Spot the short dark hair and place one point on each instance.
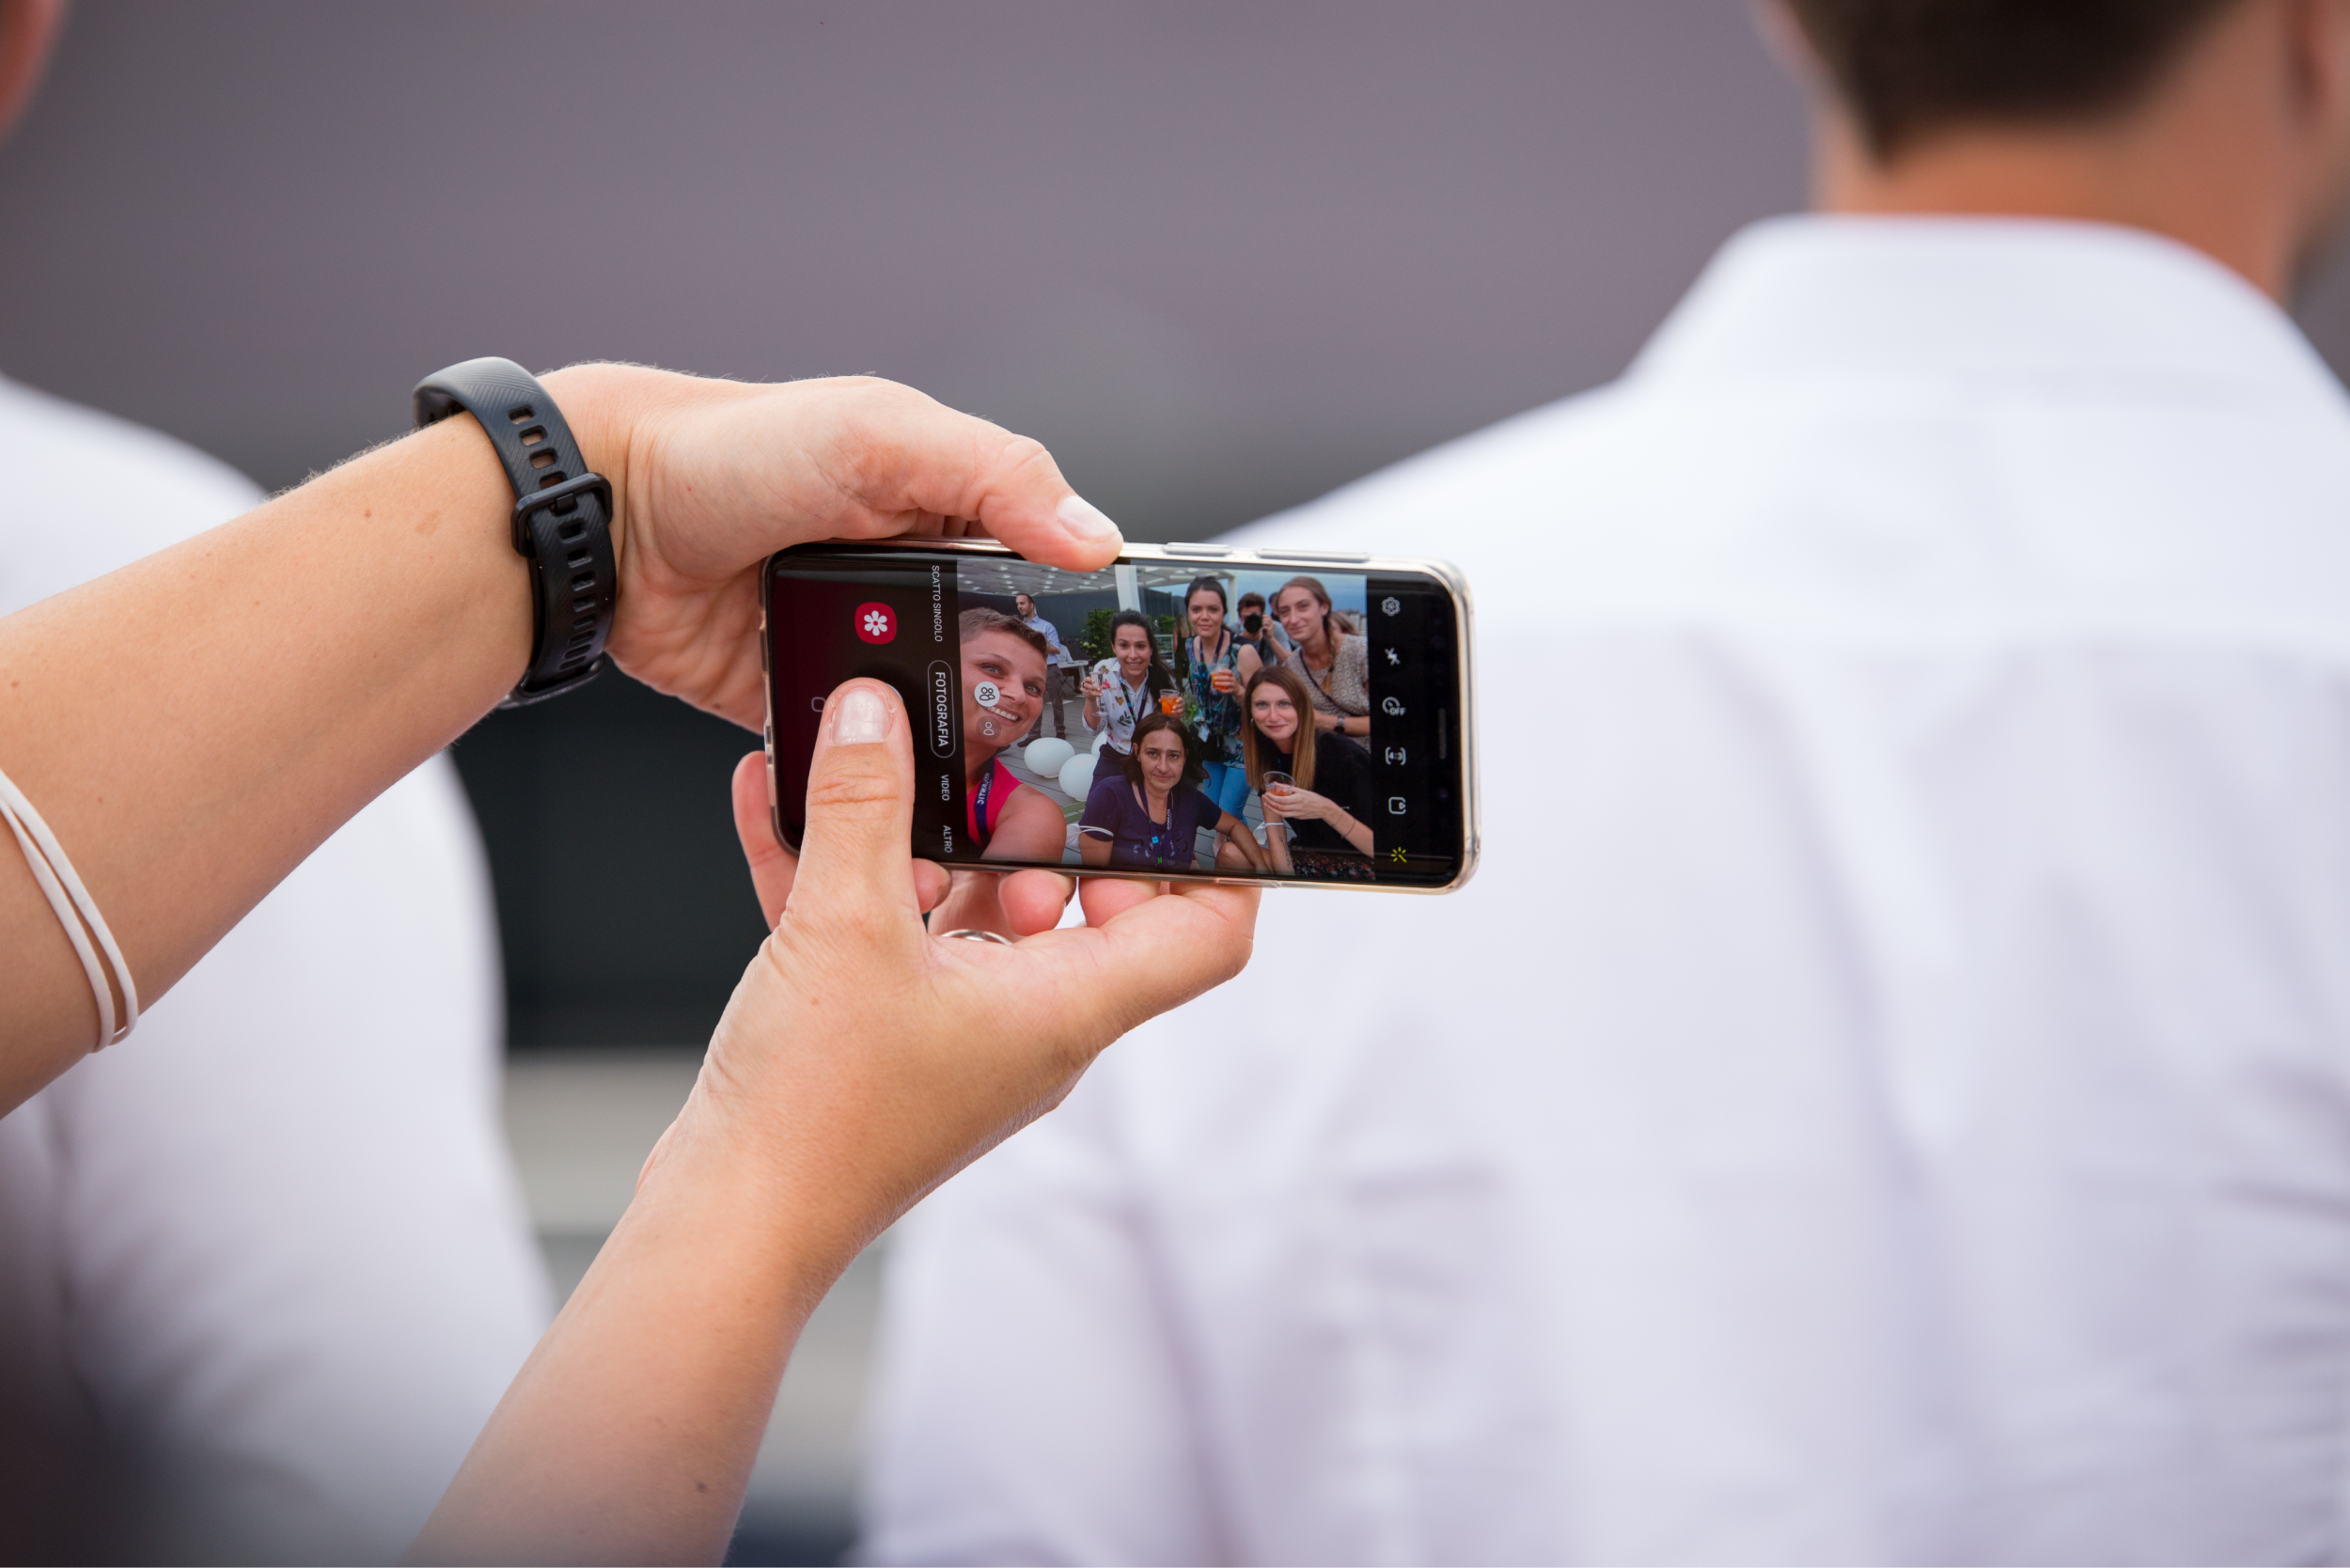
(981, 620)
(1907, 68)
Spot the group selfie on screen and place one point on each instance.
(1264, 713)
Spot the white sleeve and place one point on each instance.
(1030, 1406)
(298, 1270)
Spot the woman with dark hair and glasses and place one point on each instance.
(1218, 665)
(1148, 816)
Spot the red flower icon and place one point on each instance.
(875, 623)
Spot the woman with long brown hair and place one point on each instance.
(1124, 689)
(1316, 785)
(1333, 659)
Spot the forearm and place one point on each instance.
(192, 726)
(630, 1434)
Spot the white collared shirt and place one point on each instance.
(1885, 1096)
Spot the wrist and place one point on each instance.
(606, 407)
(717, 1167)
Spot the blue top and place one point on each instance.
(1138, 841)
(1215, 714)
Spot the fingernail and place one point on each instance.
(859, 717)
(1086, 520)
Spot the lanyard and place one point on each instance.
(1126, 698)
(1158, 829)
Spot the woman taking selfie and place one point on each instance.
(1336, 663)
(1316, 785)
(1149, 817)
(1122, 689)
(1005, 668)
(1219, 665)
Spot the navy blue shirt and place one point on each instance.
(1135, 839)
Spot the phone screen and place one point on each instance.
(1130, 720)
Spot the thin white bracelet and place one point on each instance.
(76, 911)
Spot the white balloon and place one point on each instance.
(1077, 776)
(1045, 758)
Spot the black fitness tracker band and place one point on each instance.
(562, 517)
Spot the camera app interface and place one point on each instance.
(1153, 718)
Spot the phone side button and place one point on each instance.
(1343, 556)
(1188, 547)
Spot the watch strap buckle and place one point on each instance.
(552, 498)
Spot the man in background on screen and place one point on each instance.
(1055, 659)
(1887, 1095)
(264, 1269)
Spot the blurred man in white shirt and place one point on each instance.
(1055, 660)
(264, 1269)
(1887, 1095)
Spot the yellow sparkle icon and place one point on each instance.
(1397, 854)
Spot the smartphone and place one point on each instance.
(1127, 722)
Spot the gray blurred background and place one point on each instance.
(1219, 257)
